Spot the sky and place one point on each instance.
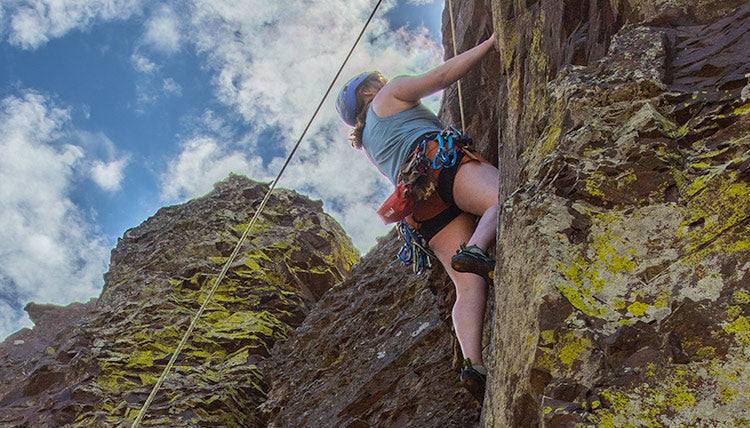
(111, 109)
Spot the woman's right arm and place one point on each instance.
(410, 89)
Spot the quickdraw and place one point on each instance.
(447, 155)
(414, 252)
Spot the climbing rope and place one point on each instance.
(235, 252)
(455, 53)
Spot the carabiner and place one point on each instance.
(406, 254)
(441, 147)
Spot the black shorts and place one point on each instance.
(430, 227)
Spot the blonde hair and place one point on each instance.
(374, 80)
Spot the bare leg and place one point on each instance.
(475, 191)
(471, 290)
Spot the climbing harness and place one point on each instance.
(414, 252)
(415, 183)
(418, 182)
(230, 260)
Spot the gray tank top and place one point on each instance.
(389, 141)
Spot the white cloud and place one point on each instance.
(419, 2)
(49, 251)
(170, 87)
(272, 62)
(34, 22)
(162, 31)
(143, 64)
(201, 163)
(109, 175)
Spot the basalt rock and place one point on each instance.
(376, 351)
(622, 290)
(95, 364)
(621, 294)
(624, 245)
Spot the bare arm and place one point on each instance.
(404, 92)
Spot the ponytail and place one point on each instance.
(375, 79)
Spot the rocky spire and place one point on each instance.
(99, 368)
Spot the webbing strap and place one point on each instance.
(230, 260)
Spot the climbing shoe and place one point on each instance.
(472, 259)
(474, 378)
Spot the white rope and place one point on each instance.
(455, 53)
(230, 260)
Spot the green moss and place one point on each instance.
(238, 324)
(606, 259)
(701, 393)
(147, 379)
(705, 353)
(740, 327)
(572, 349)
(714, 153)
(615, 261)
(638, 309)
(140, 359)
(593, 184)
(720, 203)
(643, 408)
(734, 311)
(553, 130)
(548, 336)
(559, 355)
(580, 301)
(741, 297)
(663, 298)
(743, 109)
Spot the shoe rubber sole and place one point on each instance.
(474, 383)
(461, 263)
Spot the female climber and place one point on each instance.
(391, 125)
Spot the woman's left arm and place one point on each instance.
(411, 89)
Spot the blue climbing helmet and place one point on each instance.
(346, 103)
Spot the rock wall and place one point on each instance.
(622, 292)
(621, 299)
(95, 364)
(375, 352)
(624, 244)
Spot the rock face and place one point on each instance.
(376, 351)
(94, 365)
(625, 234)
(622, 293)
(623, 286)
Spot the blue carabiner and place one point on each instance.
(406, 255)
(441, 147)
(446, 156)
(450, 154)
(420, 268)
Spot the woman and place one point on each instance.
(389, 122)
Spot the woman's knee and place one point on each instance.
(470, 287)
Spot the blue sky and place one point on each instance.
(110, 109)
